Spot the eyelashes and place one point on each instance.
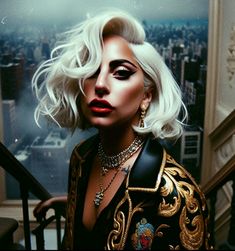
(120, 72)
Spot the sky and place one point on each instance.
(21, 11)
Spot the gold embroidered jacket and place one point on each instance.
(159, 206)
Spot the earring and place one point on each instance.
(142, 115)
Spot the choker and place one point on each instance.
(114, 161)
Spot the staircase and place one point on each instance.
(29, 184)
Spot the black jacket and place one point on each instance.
(159, 206)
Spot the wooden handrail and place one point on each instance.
(220, 178)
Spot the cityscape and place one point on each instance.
(45, 151)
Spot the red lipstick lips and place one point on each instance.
(100, 106)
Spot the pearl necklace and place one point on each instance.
(114, 162)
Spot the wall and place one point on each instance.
(226, 85)
(219, 126)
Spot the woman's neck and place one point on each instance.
(114, 142)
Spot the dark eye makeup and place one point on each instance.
(122, 69)
(118, 69)
(122, 73)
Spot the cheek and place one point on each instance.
(88, 86)
(131, 98)
(131, 102)
(136, 94)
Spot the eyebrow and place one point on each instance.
(118, 62)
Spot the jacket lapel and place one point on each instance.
(147, 171)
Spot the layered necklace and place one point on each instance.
(114, 162)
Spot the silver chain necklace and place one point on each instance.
(114, 162)
(100, 195)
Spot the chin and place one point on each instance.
(103, 126)
(101, 123)
(107, 123)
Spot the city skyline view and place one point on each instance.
(22, 51)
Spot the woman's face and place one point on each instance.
(114, 93)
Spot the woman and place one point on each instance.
(125, 190)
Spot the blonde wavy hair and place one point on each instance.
(58, 82)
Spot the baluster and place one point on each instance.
(213, 199)
(40, 241)
(58, 229)
(25, 206)
(231, 235)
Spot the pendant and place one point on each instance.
(98, 198)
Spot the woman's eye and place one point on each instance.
(122, 73)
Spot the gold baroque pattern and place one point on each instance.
(159, 232)
(72, 199)
(117, 237)
(180, 186)
(191, 221)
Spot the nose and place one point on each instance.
(101, 85)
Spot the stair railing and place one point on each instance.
(29, 184)
(211, 188)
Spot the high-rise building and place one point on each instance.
(11, 80)
(9, 121)
(49, 161)
(190, 151)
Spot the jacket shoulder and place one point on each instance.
(182, 205)
(176, 177)
(82, 149)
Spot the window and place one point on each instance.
(25, 42)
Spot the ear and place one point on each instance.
(146, 99)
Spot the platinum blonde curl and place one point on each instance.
(58, 82)
(162, 118)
